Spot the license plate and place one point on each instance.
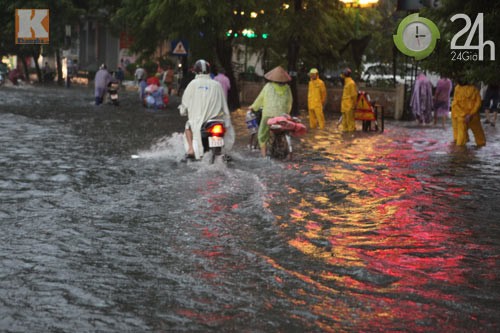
(215, 141)
(114, 96)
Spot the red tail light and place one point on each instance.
(217, 130)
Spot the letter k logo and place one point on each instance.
(32, 26)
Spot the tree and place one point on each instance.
(306, 28)
(62, 13)
(311, 33)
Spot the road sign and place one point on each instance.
(364, 109)
(179, 48)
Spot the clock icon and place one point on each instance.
(416, 36)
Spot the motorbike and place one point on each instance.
(212, 138)
(113, 93)
(282, 129)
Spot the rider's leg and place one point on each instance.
(189, 138)
(263, 136)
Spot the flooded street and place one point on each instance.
(392, 232)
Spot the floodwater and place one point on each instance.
(104, 230)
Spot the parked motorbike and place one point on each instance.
(212, 138)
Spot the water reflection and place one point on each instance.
(363, 232)
(384, 227)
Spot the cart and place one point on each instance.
(371, 114)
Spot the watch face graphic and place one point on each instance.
(416, 36)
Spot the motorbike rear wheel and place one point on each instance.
(278, 145)
(215, 152)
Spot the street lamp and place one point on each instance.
(360, 3)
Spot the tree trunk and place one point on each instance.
(25, 67)
(293, 56)
(224, 51)
(36, 54)
(60, 80)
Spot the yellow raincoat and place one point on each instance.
(349, 97)
(316, 98)
(466, 104)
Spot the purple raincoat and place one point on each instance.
(101, 81)
(442, 97)
(421, 99)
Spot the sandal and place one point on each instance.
(188, 157)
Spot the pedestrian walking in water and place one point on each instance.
(168, 79)
(274, 99)
(465, 114)
(421, 99)
(348, 103)
(316, 100)
(119, 75)
(491, 103)
(140, 74)
(442, 100)
(224, 81)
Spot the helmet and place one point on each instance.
(313, 71)
(202, 67)
(347, 72)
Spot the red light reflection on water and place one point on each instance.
(390, 236)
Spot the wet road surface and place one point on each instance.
(366, 232)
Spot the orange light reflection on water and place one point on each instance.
(385, 241)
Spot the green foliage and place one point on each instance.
(151, 68)
(130, 68)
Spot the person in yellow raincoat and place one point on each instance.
(349, 97)
(465, 114)
(275, 99)
(316, 99)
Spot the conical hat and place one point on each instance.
(278, 74)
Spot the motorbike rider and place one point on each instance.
(275, 99)
(101, 81)
(202, 100)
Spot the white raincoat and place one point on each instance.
(202, 100)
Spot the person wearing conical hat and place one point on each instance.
(274, 99)
(316, 99)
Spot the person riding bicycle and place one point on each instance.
(202, 100)
(275, 99)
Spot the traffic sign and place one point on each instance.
(179, 48)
